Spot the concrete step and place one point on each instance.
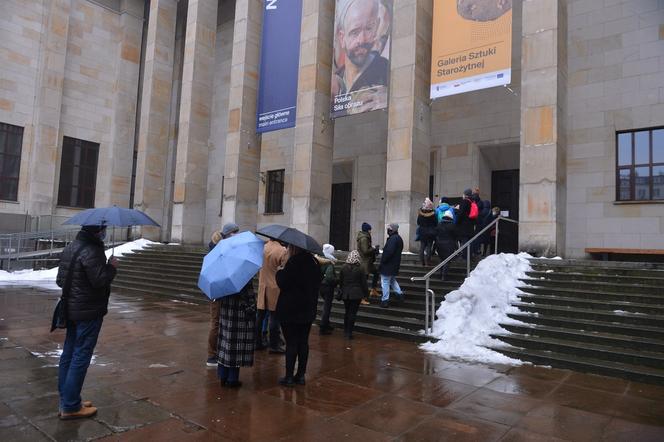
(375, 315)
(595, 315)
(589, 325)
(588, 293)
(648, 270)
(602, 287)
(584, 364)
(392, 331)
(592, 337)
(552, 275)
(612, 306)
(584, 349)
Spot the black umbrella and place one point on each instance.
(292, 236)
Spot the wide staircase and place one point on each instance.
(592, 316)
(172, 270)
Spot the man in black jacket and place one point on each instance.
(84, 262)
(390, 262)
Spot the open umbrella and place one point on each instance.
(111, 216)
(290, 235)
(231, 265)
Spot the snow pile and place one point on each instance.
(46, 278)
(470, 314)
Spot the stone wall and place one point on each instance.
(21, 27)
(616, 72)
(70, 68)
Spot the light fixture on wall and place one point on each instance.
(261, 176)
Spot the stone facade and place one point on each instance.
(581, 71)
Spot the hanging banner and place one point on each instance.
(280, 63)
(361, 56)
(471, 47)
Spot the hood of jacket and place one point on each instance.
(426, 212)
(323, 261)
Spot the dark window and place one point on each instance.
(78, 173)
(11, 140)
(274, 195)
(640, 165)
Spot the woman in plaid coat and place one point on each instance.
(237, 327)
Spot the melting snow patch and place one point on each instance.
(471, 313)
(46, 278)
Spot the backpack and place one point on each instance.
(445, 214)
(474, 210)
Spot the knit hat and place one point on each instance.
(353, 257)
(366, 227)
(468, 192)
(428, 204)
(393, 227)
(328, 252)
(229, 228)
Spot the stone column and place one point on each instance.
(48, 105)
(118, 177)
(409, 121)
(155, 113)
(314, 131)
(543, 143)
(242, 162)
(194, 127)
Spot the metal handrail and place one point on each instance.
(13, 245)
(430, 314)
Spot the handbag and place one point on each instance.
(60, 313)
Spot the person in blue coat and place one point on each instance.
(390, 262)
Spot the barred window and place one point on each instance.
(78, 173)
(640, 165)
(11, 141)
(274, 195)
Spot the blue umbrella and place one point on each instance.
(231, 265)
(111, 216)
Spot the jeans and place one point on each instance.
(297, 347)
(426, 247)
(228, 374)
(350, 315)
(389, 281)
(213, 334)
(74, 362)
(327, 293)
(445, 249)
(273, 328)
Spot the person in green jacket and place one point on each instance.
(368, 255)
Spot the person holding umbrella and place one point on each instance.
(299, 282)
(213, 333)
(85, 277)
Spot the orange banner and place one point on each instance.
(471, 47)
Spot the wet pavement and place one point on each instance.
(150, 382)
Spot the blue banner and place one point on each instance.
(280, 60)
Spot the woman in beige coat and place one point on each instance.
(274, 256)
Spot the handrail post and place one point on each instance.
(426, 315)
(495, 249)
(467, 261)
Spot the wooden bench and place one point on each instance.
(605, 252)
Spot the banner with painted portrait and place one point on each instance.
(361, 56)
(471, 47)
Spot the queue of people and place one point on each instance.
(443, 229)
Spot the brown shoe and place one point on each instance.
(82, 413)
(86, 404)
(374, 293)
(364, 302)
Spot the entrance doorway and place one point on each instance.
(505, 194)
(342, 197)
(342, 203)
